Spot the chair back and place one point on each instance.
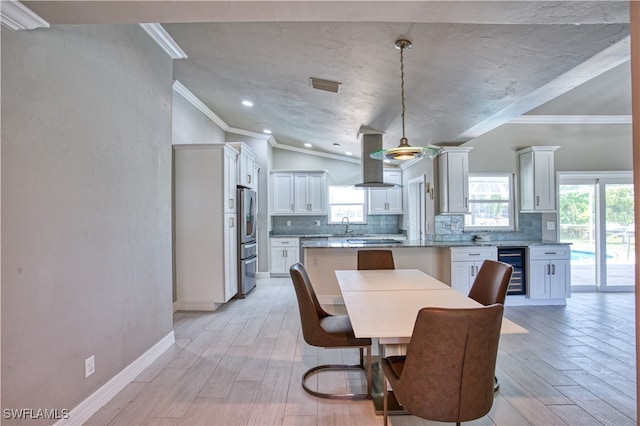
(375, 259)
(452, 358)
(310, 310)
(491, 283)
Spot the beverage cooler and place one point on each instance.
(515, 256)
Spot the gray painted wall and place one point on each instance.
(189, 125)
(341, 172)
(86, 219)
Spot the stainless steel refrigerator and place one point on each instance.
(247, 247)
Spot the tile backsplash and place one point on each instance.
(451, 228)
(306, 225)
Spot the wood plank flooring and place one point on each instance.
(242, 364)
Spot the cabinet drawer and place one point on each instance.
(549, 252)
(284, 242)
(473, 253)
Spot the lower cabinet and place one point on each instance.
(465, 264)
(549, 272)
(284, 253)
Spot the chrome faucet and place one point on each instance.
(347, 230)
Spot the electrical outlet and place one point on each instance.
(551, 226)
(288, 223)
(317, 223)
(89, 366)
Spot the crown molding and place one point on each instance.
(248, 133)
(180, 89)
(16, 16)
(572, 119)
(164, 40)
(316, 153)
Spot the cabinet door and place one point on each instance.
(538, 279)
(394, 195)
(301, 187)
(527, 193)
(293, 254)
(544, 181)
(377, 201)
(317, 193)
(560, 279)
(458, 186)
(231, 256)
(462, 276)
(230, 182)
(278, 260)
(282, 190)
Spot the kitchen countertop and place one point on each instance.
(344, 243)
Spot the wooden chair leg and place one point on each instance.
(385, 408)
(369, 372)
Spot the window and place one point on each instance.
(490, 202)
(346, 201)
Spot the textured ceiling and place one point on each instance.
(473, 65)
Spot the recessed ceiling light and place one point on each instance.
(247, 103)
(267, 131)
(308, 145)
(349, 153)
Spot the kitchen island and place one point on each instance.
(322, 258)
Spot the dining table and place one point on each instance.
(384, 304)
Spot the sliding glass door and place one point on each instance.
(597, 218)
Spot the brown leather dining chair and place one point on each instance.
(447, 373)
(490, 287)
(375, 259)
(321, 329)
(491, 283)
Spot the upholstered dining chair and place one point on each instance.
(447, 373)
(491, 283)
(321, 329)
(490, 287)
(375, 259)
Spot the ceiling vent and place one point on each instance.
(326, 85)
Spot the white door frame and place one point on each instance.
(417, 208)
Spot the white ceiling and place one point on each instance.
(473, 66)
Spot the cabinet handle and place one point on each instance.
(549, 252)
(537, 200)
(476, 269)
(284, 253)
(548, 269)
(474, 254)
(248, 178)
(553, 269)
(231, 222)
(466, 202)
(291, 206)
(231, 203)
(472, 274)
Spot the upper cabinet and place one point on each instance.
(387, 201)
(247, 175)
(537, 179)
(299, 193)
(230, 180)
(453, 180)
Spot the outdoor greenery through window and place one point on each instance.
(490, 202)
(346, 201)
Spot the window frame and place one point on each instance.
(364, 205)
(512, 204)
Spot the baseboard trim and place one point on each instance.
(263, 275)
(87, 408)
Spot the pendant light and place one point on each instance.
(404, 151)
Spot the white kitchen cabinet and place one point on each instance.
(537, 179)
(247, 176)
(284, 253)
(387, 201)
(230, 179)
(465, 264)
(299, 193)
(549, 272)
(453, 180)
(205, 232)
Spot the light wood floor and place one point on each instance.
(242, 364)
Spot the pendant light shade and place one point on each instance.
(404, 151)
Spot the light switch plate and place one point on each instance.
(551, 226)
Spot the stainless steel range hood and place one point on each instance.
(372, 175)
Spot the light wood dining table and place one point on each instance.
(384, 305)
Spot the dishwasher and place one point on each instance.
(304, 240)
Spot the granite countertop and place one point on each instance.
(345, 243)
